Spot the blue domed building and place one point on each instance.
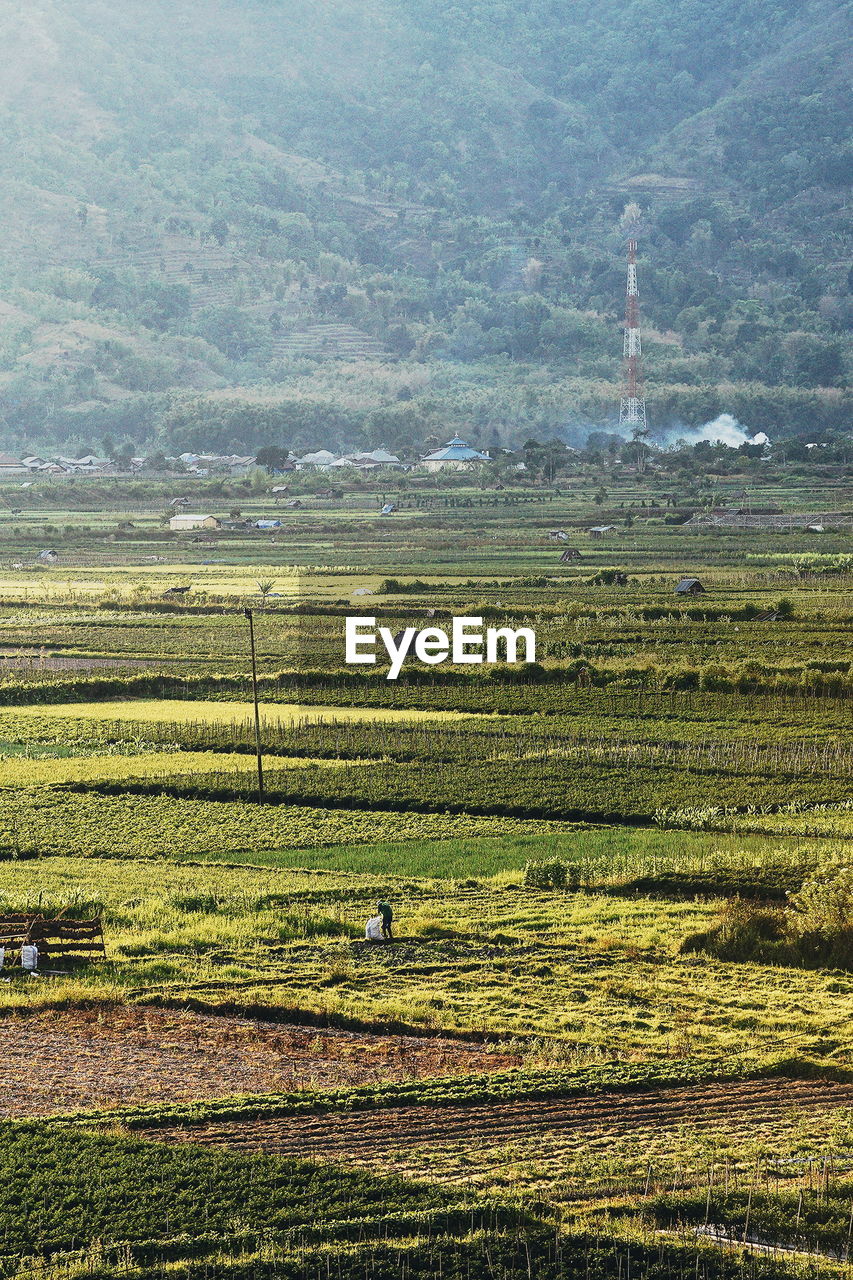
(456, 455)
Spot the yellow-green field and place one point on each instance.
(16, 773)
(602, 976)
(192, 712)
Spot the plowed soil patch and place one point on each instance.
(72, 1060)
(356, 1138)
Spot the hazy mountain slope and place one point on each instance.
(207, 196)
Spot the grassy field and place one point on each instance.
(685, 764)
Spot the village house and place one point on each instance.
(322, 459)
(89, 464)
(10, 466)
(205, 464)
(368, 461)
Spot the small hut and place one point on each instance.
(690, 587)
(570, 553)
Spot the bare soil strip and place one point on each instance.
(357, 1138)
(62, 1061)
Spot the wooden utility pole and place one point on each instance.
(251, 620)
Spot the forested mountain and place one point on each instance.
(282, 221)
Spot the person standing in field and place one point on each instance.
(383, 909)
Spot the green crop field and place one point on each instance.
(621, 881)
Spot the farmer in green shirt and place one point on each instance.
(384, 910)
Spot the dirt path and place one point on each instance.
(357, 1137)
(74, 1060)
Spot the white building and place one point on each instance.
(368, 461)
(322, 459)
(184, 523)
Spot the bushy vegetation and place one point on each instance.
(551, 875)
(815, 927)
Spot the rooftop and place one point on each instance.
(456, 450)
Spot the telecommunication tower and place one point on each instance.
(632, 409)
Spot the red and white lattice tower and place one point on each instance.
(632, 409)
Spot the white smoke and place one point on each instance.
(725, 429)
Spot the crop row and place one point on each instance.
(109, 1207)
(561, 789)
(112, 1189)
(580, 738)
(670, 718)
(794, 818)
(51, 821)
(118, 768)
(516, 1085)
(814, 1219)
(508, 689)
(471, 1255)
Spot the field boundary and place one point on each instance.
(517, 1085)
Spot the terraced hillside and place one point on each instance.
(250, 196)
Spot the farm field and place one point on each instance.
(617, 1017)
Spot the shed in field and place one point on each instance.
(601, 530)
(185, 523)
(690, 587)
(570, 553)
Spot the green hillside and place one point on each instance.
(233, 224)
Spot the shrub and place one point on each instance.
(820, 917)
(610, 578)
(552, 874)
(814, 929)
(745, 931)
